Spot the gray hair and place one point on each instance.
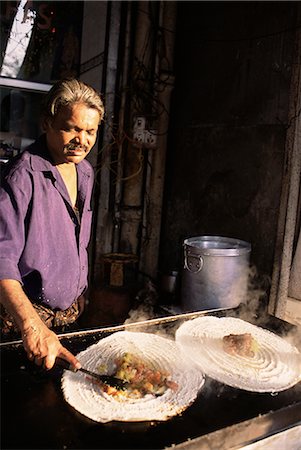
(69, 92)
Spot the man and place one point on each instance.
(45, 223)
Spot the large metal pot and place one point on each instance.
(215, 273)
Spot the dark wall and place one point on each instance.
(229, 119)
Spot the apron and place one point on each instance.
(52, 318)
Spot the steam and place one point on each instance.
(294, 337)
(254, 309)
(144, 304)
(144, 310)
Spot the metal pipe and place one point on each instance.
(134, 168)
(103, 238)
(129, 326)
(288, 218)
(121, 124)
(157, 158)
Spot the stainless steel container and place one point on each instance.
(215, 273)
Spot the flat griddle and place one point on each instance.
(35, 415)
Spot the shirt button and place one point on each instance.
(83, 267)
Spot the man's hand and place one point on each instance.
(40, 343)
(43, 346)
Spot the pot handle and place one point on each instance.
(193, 262)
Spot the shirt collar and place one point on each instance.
(41, 161)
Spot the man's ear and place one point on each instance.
(45, 123)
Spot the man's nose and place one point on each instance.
(81, 137)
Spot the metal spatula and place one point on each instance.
(107, 379)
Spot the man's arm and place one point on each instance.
(40, 343)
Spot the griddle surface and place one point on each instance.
(36, 416)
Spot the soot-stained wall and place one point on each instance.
(229, 117)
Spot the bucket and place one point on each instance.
(215, 273)
(118, 269)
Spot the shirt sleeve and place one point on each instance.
(15, 194)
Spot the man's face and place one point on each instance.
(72, 133)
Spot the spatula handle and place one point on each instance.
(65, 364)
(107, 379)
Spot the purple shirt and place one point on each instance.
(42, 244)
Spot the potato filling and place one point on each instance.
(142, 378)
(240, 344)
